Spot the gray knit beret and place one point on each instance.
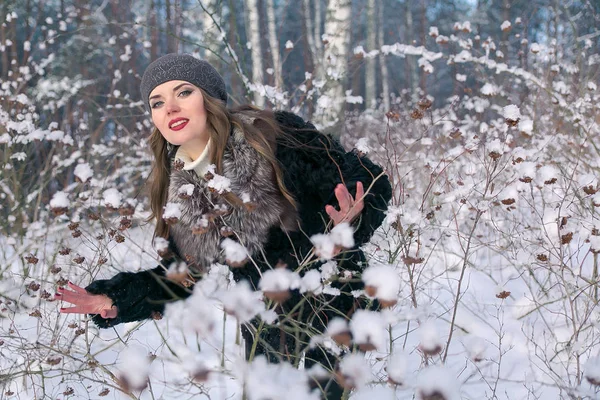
(182, 67)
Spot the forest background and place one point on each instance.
(485, 114)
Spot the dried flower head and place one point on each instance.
(178, 164)
(31, 259)
(417, 114)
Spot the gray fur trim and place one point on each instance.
(251, 177)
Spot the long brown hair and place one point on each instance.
(261, 135)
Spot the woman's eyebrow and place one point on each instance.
(176, 88)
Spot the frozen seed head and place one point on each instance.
(437, 383)
(382, 281)
(430, 341)
(112, 198)
(83, 173)
(592, 371)
(397, 368)
(311, 283)
(236, 255)
(59, 204)
(277, 283)
(242, 302)
(171, 213)
(512, 115)
(354, 371)
(339, 332)
(368, 330)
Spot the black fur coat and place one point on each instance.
(311, 170)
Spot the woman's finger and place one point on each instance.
(360, 191)
(75, 298)
(77, 288)
(77, 310)
(344, 198)
(110, 313)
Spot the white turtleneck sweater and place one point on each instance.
(199, 165)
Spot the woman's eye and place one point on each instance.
(185, 93)
(155, 105)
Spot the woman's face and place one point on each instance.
(178, 112)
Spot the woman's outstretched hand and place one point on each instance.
(350, 207)
(85, 302)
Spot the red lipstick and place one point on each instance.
(180, 125)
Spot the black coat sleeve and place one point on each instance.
(314, 163)
(138, 295)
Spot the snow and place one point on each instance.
(171, 210)
(337, 325)
(397, 367)
(506, 25)
(60, 200)
(242, 302)
(437, 382)
(592, 86)
(234, 251)
(526, 126)
(430, 340)
(289, 45)
(511, 112)
(277, 381)
(279, 279)
(219, 183)
(311, 282)
(161, 244)
(135, 378)
(328, 270)
(112, 198)
(83, 171)
(592, 370)
(385, 279)
(355, 370)
(362, 145)
(368, 327)
(187, 189)
(489, 89)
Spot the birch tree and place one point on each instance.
(370, 78)
(330, 106)
(385, 84)
(211, 31)
(274, 44)
(253, 29)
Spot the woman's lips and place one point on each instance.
(179, 124)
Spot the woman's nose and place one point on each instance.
(172, 106)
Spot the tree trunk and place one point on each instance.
(412, 75)
(309, 29)
(253, 29)
(232, 35)
(370, 78)
(423, 81)
(318, 32)
(274, 44)
(153, 32)
(330, 106)
(211, 33)
(385, 84)
(168, 26)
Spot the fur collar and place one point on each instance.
(207, 217)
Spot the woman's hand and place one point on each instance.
(350, 207)
(85, 302)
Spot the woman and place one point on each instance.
(285, 178)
